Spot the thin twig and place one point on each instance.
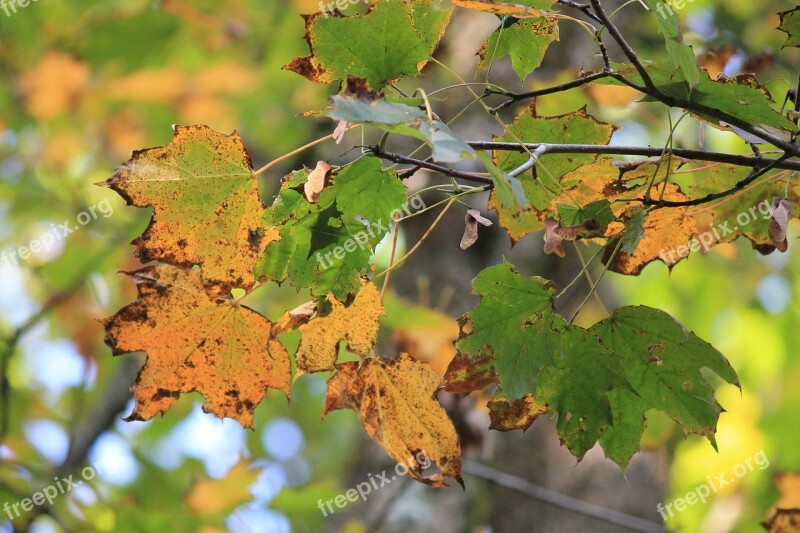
(562, 501)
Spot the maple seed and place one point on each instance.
(554, 234)
(317, 180)
(472, 219)
(781, 211)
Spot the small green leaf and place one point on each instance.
(524, 41)
(508, 189)
(680, 55)
(633, 233)
(405, 120)
(600, 211)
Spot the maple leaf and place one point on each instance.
(579, 128)
(346, 45)
(207, 209)
(216, 347)
(790, 25)
(746, 214)
(327, 245)
(662, 361)
(396, 403)
(357, 324)
(599, 381)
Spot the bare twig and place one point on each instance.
(562, 501)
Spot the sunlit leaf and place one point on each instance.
(216, 347)
(396, 403)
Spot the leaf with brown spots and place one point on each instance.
(519, 414)
(356, 324)
(216, 347)
(549, 180)
(347, 45)
(396, 403)
(207, 209)
(665, 231)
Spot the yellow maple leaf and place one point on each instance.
(216, 347)
(395, 400)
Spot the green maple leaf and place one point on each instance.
(394, 40)
(326, 246)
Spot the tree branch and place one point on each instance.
(744, 182)
(645, 151)
(562, 501)
(417, 163)
(516, 97)
(651, 90)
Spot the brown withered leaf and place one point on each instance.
(471, 221)
(784, 521)
(207, 209)
(357, 324)
(519, 414)
(317, 179)
(216, 347)
(396, 402)
(297, 316)
(465, 375)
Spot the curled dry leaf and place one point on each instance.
(781, 210)
(317, 180)
(291, 319)
(465, 375)
(554, 234)
(357, 324)
(471, 220)
(396, 403)
(213, 346)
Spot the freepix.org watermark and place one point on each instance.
(49, 493)
(666, 8)
(362, 238)
(363, 489)
(711, 486)
(57, 232)
(718, 232)
(9, 7)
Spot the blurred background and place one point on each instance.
(84, 84)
